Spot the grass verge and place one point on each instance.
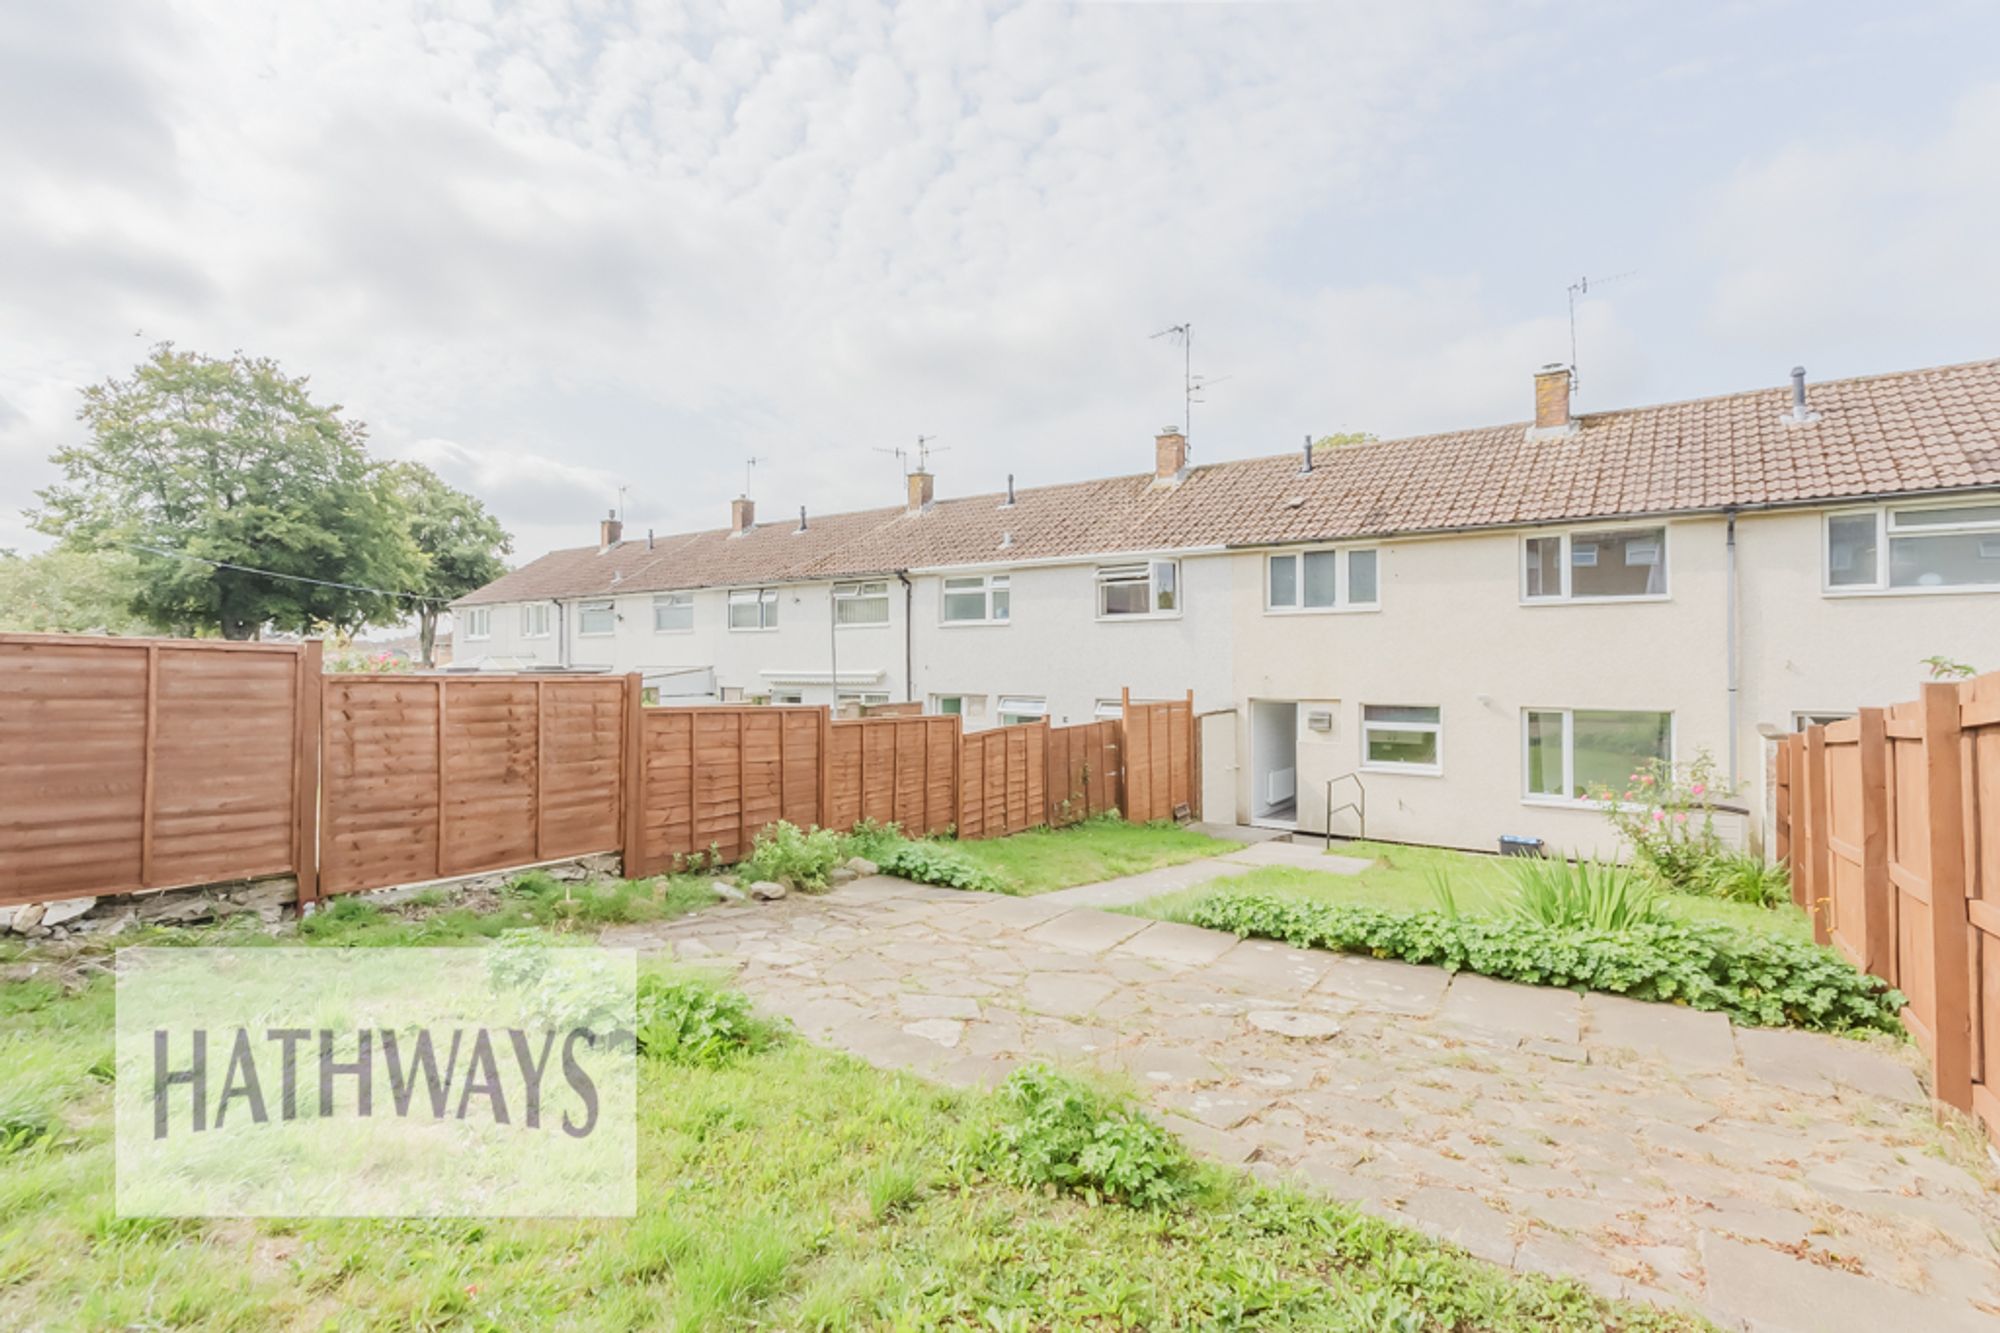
(1104, 847)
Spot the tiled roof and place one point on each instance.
(1911, 432)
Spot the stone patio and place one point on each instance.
(1770, 1180)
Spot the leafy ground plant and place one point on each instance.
(1758, 980)
(697, 1022)
(1058, 1130)
(790, 855)
(1740, 877)
(1582, 895)
(942, 864)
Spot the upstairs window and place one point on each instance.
(1148, 588)
(1589, 566)
(1913, 548)
(596, 618)
(753, 608)
(535, 620)
(977, 600)
(1320, 581)
(479, 622)
(860, 604)
(673, 612)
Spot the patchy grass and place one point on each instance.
(787, 1188)
(1106, 847)
(1401, 878)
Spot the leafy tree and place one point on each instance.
(70, 592)
(1345, 437)
(460, 542)
(209, 471)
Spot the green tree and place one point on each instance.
(70, 592)
(209, 471)
(1345, 437)
(461, 544)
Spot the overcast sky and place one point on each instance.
(555, 248)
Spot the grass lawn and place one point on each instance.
(792, 1188)
(1401, 877)
(1097, 849)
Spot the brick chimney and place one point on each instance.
(1169, 456)
(922, 488)
(742, 515)
(1552, 385)
(609, 531)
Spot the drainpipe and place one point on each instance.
(1733, 672)
(562, 633)
(909, 641)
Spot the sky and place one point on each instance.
(568, 252)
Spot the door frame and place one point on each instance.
(1258, 771)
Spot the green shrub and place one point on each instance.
(1582, 895)
(935, 863)
(790, 855)
(1667, 814)
(1741, 877)
(1057, 1130)
(1758, 980)
(871, 840)
(688, 1021)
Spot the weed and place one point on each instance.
(1057, 1130)
(1582, 895)
(690, 1021)
(940, 863)
(790, 855)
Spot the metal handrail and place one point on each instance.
(1359, 805)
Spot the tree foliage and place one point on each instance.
(231, 463)
(70, 592)
(461, 545)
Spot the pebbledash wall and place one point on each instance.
(1453, 632)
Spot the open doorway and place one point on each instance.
(1274, 763)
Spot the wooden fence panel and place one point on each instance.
(1159, 759)
(1005, 781)
(132, 764)
(1084, 771)
(712, 779)
(901, 770)
(1979, 716)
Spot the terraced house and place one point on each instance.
(1455, 637)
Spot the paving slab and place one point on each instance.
(1773, 1292)
(1686, 1038)
(1811, 1062)
(1511, 1012)
(1149, 884)
(1087, 931)
(1171, 942)
(1398, 988)
(1306, 856)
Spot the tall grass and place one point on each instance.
(1584, 895)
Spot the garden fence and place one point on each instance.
(1890, 822)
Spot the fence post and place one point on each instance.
(1951, 1062)
(1877, 942)
(825, 767)
(1781, 803)
(441, 801)
(305, 792)
(1194, 760)
(1819, 900)
(150, 762)
(631, 851)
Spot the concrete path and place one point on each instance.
(1171, 879)
(1771, 1180)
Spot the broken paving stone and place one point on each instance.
(66, 911)
(767, 890)
(943, 1031)
(728, 893)
(1294, 1023)
(862, 866)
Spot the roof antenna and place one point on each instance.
(622, 488)
(749, 466)
(1191, 383)
(1581, 287)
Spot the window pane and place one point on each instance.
(674, 612)
(1609, 747)
(1124, 599)
(1947, 560)
(1000, 599)
(1388, 746)
(965, 606)
(1322, 588)
(861, 604)
(1166, 576)
(950, 705)
(1284, 590)
(1923, 518)
(1544, 567)
(1618, 564)
(597, 619)
(1399, 713)
(770, 603)
(1545, 754)
(1361, 589)
(743, 610)
(1850, 551)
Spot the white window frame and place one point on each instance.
(1129, 572)
(1107, 710)
(1569, 753)
(766, 601)
(866, 698)
(478, 622)
(1016, 710)
(605, 604)
(787, 694)
(1885, 531)
(851, 594)
(672, 601)
(1343, 603)
(534, 620)
(1817, 717)
(1567, 538)
(1392, 766)
(988, 585)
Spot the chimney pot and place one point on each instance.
(1552, 391)
(921, 489)
(1801, 414)
(1306, 464)
(1010, 490)
(742, 515)
(802, 518)
(609, 531)
(1169, 456)
(649, 539)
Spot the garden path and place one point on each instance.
(1770, 1180)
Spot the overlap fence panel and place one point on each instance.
(131, 764)
(1890, 823)
(425, 777)
(1003, 784)
(1159, 759)
(1085, 771)
(713, 778)
(900, 770)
